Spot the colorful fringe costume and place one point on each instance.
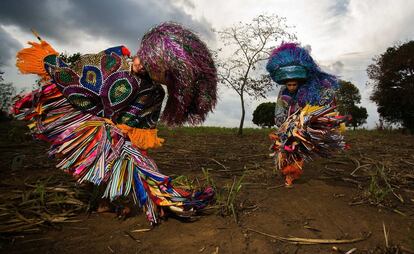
(306, 119)
(100, 118)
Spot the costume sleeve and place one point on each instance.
(281, 109)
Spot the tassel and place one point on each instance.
(292, 172)
(30, 60)
(142, 138)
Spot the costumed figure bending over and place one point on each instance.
(100, 113)
(305, 117)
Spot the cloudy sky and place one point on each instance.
(344, 35)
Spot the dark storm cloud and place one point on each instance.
(8, 47)
(117, 21)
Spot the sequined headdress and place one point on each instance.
(289, 61)
(176, 57)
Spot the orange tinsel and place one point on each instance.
(30, 60)
(142, 138)
(292, 172)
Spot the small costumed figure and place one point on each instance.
(305, 117)
(100, 113)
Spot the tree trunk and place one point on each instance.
(240, 132)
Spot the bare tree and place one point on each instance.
(250, 43)
(7, 91)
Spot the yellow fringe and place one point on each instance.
(342, 127)
(142, 138)
(31, 125)
(30, 60)
(309, 109)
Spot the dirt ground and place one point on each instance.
(328, 202)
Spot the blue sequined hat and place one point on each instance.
(289, 72)
(289, 62)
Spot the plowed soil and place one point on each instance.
(327, 203)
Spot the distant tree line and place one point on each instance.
(392, 78)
